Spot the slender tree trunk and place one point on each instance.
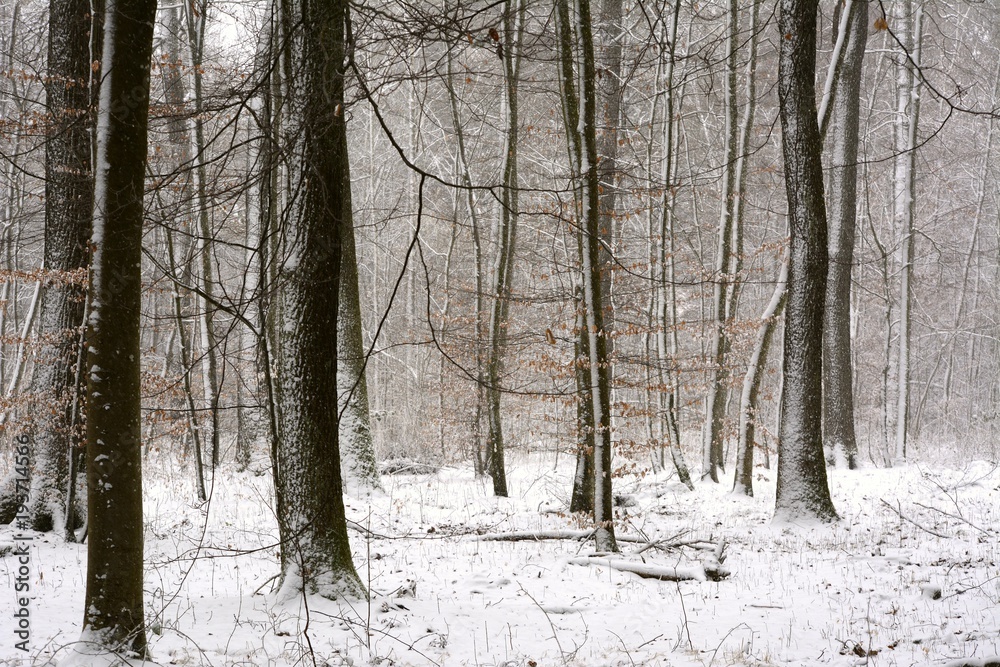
(505, 238)
(113, 606)
(666, 289)
(610, 39)
(802, 492)
(743, 482)
(358, 466)
(908, 109)
(838, 377)
(600, 379)
(718, 384)
(478, 453)
(185, 357)
(197, 16)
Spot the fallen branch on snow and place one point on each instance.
(906, 518)
(698, 572)
(582, 535)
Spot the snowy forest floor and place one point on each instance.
(859, 592)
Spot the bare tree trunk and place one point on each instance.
(600, 380)
(718, 383)
(802, 491)
(359, 468)
(908, 109)
(478, 453)
(743, 482)
(113, 606)
(505, 238)
(197, 15)
(315, 553)
(666, 288)
(69, 199)
(838, 377)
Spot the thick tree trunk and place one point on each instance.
(113, 607)
(802, 492)
(315, 553)
(838, 378)
(69, 198)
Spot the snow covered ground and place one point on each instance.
(876, 589)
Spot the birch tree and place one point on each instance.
(904, 201)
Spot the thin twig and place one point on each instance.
(906, 518)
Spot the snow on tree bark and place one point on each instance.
(802, 492)
(113, 607)
(904, 202)
(600, 370)
(358, 467)
(506, 237)
(838, 377)
(315, 551)
(69, 198)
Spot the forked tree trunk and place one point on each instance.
(503, 270)
(838, 377)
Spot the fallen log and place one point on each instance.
(696, 572)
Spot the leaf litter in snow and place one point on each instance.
(909, 576)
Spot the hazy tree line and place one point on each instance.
(303, 238)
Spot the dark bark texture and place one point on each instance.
(802, 492)
(113, 614)
(69, 200)
(315, 552)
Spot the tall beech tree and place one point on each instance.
(113, 606)
(802, 491)
(599, 391)
(838, 377)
